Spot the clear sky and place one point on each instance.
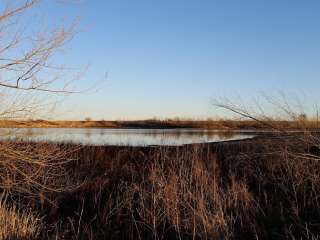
(170, 58)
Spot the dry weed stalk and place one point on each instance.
(15, 224)
(185, 193)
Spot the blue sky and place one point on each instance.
(170, 58)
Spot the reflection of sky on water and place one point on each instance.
(131, 137)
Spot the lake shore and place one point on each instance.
(166, 124)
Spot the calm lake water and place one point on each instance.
(128, 137)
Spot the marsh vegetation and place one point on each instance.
(267, 187)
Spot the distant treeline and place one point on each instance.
(154, 123)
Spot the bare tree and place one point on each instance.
(26, 73)
(293, 117)
(24, 56)
(270, 110)
(26, 52)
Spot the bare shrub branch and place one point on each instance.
(28, 79)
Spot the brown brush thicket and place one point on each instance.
(265, 188)
(153, 193)
(28, 172)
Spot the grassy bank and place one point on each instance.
(265, 188)
(197, 124)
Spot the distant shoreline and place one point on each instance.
(224, 125)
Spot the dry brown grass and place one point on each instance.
(169, 123)
(266, 188)
(187, 195)
(17, 224)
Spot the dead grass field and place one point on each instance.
(265, 188)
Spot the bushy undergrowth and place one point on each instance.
(265, 188)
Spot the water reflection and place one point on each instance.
(130, 137)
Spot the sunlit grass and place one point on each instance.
(18, 224)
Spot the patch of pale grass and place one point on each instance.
(16, 224)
